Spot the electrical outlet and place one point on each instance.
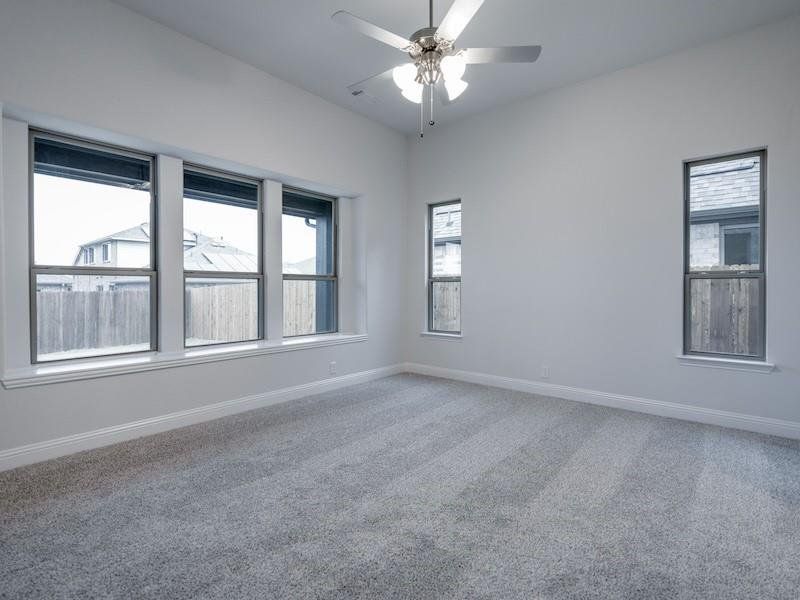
(332, 367)
(545, 372)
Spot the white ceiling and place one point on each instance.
(297, 41)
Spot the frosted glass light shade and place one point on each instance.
(413, 93)
(455, 87)
(453, 67)
(404, 76)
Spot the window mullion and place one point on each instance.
(170, 253)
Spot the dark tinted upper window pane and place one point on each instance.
(220, 220)
(724, 215)
(84, 198)
(307, 231)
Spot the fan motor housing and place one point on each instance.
(425, 37)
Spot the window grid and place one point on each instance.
(89, 269)
(257, 275)
(757, 274)
(432, 280)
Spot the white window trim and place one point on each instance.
(76, 370)
(730, 364)
(441, 335)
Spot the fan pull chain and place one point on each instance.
(431, 122)
(421, 118)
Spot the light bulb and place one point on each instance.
(453, 67)
(455, 87)
(404, 76)
(414, 93)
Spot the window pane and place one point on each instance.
(446, 230)
(307, 232)
(220, 220)
(308, 307)
(446, 312)
(725, 316)
(724, 215)
(91, 315)
(85, 198)
(220, 310)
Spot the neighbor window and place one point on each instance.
(308, 229)
(85, 197)
(725, 275)
(444, 267)
(221, 258)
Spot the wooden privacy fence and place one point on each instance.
(222, 312)
(70, 320)
(447, 305)
(299, 307)
(725, 315)
(74, 320)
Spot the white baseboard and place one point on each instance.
(788, 429)
(33, 453)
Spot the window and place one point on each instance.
(309, 264)
(444, 267)
(221, 258)
(84, 195)
(725, 274)
(106, 252)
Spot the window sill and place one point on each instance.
(108, 366)
(731, 364)
(441, 336)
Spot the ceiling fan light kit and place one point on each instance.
(434, 55)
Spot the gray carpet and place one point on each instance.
(412, 487)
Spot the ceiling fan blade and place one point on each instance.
(507, 54)
(362, 86)
(377, 33)
(457, 18)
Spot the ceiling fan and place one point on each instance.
(436, 61)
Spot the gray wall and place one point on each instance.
(99, 65)
(573, 209)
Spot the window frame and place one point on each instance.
(759, 273)
(33, 269)
(334, 276)
(449, 278)
(258, 276)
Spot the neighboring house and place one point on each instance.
(447, 241)
(303, 267)
(130, 248)
(724, 214)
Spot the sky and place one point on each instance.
(68, 213)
